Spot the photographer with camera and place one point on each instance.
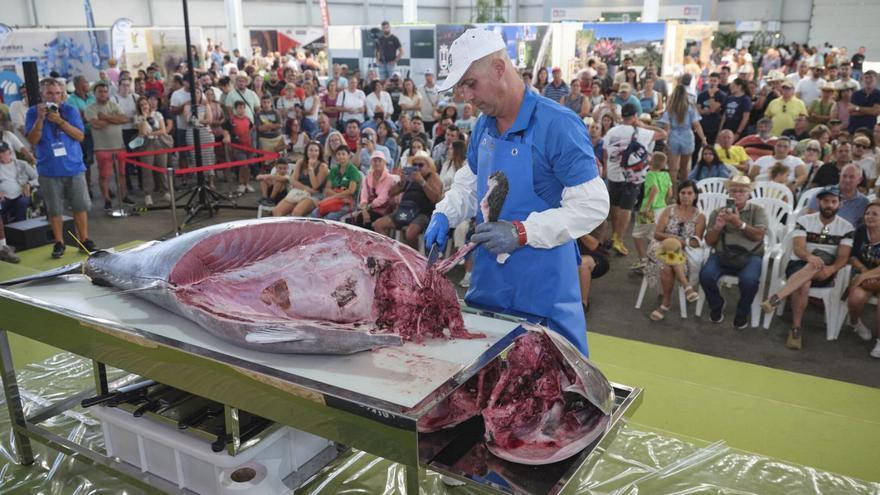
(420, 189)
(366, 147)
(389, 51)
(55, 130)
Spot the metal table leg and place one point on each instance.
(233, 430)
(99, 370)
(13, 402)
(412, 479)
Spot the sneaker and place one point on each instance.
(740, 321)
(148, 200)
(241, 189)
(108, 205)
(718, 316)
(795, 339)
(771, 304)
(619, 247)
(862, 330)
(166, 197)
(7, 254)
(248, 188)
(127, 200)
(88, 246)
(466, 280)
(875, 353)
(58, 250)
(267, 202)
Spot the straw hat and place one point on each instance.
(670, 252)
(739, 180)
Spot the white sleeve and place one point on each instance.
(460, 202)
(13, 141)
(583, 208)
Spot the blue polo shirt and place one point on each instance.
(561, 152)
(49, 165)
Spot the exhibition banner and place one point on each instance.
(68, 53)
(522, 41)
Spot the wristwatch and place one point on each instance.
(743, 226)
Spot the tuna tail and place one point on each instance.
(56, 272)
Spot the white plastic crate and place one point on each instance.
(178, 457)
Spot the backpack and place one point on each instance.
(634, 159)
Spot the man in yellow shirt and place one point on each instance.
(783, 111)
(735, 157)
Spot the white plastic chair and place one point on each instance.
(777, 213)
(682, 299)
(830, 295)
(773, 190)
(712, 185)
(262, 208)
(802, 204)
(730, 280)
(709, 202)
(762, 178)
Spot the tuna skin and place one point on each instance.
(291, 285)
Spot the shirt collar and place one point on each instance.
(526, 109)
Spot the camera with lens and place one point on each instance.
(52, 107)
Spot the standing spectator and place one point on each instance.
(625, 95)
(557, 88)
(59, 162)
(430, 98)
(603, 78)
(650, 99)
(410, 100)
(576, 101)
(467, 120)
(737, 106)
(711, 105)
(151, 127)
(82, 98)
(241, 132)
(201, 125)
(858, 59)
(378, 97)
(737, 235)
(311, 105)
(845, 80)
(822, 110)
(709, 166)
(541, 80)
(797, 172)
(681, 225)
(106, 119)
(864, 104)
(352, 102)
(683, 121)
(153, 83)
(659, 83)
(731, 154)
(821, 245)
(328, 103)
(769, 62)
(269, 127)
(783, 111)
(623, 183)
(657, 191)
(852, 202)
(802, 69)
(127, 101)
(865, 261)
(809, 88)
(389, 51)
(242, 93)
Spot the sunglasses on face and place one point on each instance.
(862, 146)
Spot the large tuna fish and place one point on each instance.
(290, 285)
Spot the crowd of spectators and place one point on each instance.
(379, 151)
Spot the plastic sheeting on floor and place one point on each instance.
(636, 461)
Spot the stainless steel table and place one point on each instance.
(370, 400)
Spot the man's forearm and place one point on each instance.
(460, 202)
(582, 209)
(36, 133)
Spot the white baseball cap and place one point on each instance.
(471, 46)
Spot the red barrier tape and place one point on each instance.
(124, 157)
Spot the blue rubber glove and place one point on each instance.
(437, 231)
(498, 237)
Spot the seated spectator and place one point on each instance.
(657, 190)
(812, 163)
(306, 182)
(367, 145)
(761, 143)
(378, 97)
(341, 188)
(441, 150)
(821, 246)
(863, 157)
(801, 129)
(797, 172)
(421, 190)
(779, 173)
(593, 249)
(352, 134)
(416, 130)
(410, 101)
(822, 109)
(324, 129)
(16, 179)
(852, 202)
(710, 166)
(788, 112)
(376, 200)
(865, 260)
(736, 234)
(295, 140)
(651, 100)
(379, 116)
(273, 186)
(678, 226)
(7, 252)
(731, 154)
(416, 145)
(829, 173)
(822, 136)
(334, 140)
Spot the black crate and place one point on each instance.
(36, 232)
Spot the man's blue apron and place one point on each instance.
(533, 283)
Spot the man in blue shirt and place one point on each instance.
(557, 87)
(555, 194)
(864, 104)
(624, 96)
(55, 130)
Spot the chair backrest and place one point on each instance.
(712, 185)
(762, 178)
(802, 203)
(786, 250)
(709, 202)
(777, 212)
(775, 190)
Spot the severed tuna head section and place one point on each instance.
(496, 194)
(464, 403)
(539, 411)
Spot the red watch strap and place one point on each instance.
(521, 232)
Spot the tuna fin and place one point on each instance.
(272, 335)
(57, 272)
(159, 284)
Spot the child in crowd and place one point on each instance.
(779, 175)
(273, 185)
(240, 130)
(658, 190)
